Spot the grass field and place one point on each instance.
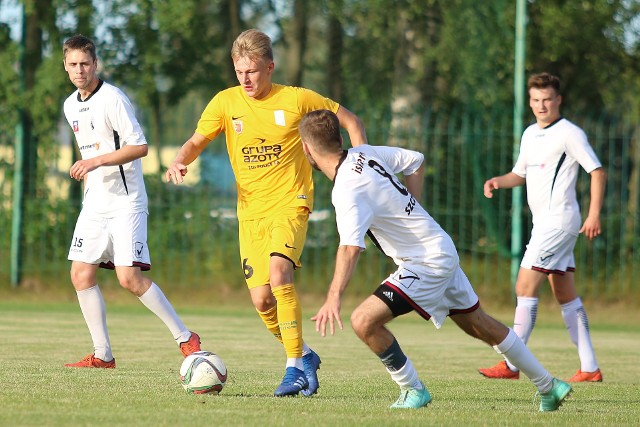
(144, 390)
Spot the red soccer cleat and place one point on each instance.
(500, 371)
(190, 346)
(586, 377)
(90, 361)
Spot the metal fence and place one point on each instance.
(193, 228)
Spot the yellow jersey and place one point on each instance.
(264, 145)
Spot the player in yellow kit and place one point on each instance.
(275, 189)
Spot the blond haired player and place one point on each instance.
(275, 189)
(111, 231)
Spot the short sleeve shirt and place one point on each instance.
(368, 197)
(549, 160)
(103, 123)
(264, 145)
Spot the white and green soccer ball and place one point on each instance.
(203, 372)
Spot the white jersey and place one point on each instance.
(549, 160)
(368, 196)
(104, 123)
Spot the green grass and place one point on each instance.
(36, 390)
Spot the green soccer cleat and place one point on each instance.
(551, 400)
(412, 398)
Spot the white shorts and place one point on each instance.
(434, 296)
(111, 242)
(550, 250)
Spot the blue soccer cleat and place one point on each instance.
(293, 382)
(311, 364)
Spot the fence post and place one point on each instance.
(18, 177)
(518, 107)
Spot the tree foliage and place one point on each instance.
(591, 45)
(374, 55)
(9, 99)
(380, 58)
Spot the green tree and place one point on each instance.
(585, 43)
(295, 43)
(335, 46)
(163, 51)
(9, 99)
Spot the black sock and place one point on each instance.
(393, 357)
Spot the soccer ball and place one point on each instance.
(203, 372)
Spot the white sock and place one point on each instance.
(295, 362)
(305, 349)
(525, 317)
(155, 301)
(95, 316)
(575, 318)
(524, 320)
(407, 376)
(513, 349)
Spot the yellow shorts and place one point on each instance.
(280, 235)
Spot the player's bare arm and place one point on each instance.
(346, 260)
(592, 227)
(415, 181)
(508, 180)
(126, 154)
(353, 126)
(189, 151)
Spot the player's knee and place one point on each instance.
(565, 294)
(280, 271)
(528, 283)
(263, 303)
(134, 284)
(361, 323)
(127, 283)
(76, 277)
(262, 298)
(81, 278)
